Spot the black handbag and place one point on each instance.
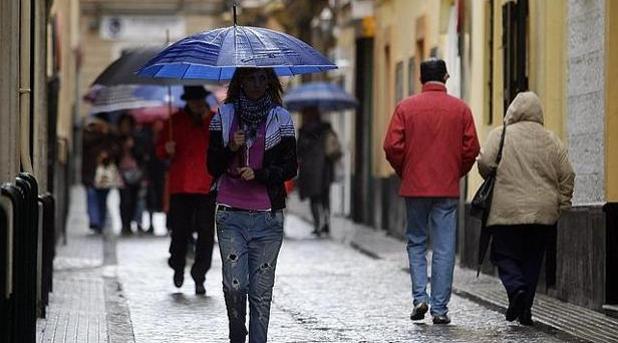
(481, 205)
(481, 202)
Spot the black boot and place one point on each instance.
(179, 278)
(526, 318)
(516, 305)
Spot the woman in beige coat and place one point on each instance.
(534, 182)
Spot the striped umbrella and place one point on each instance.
(119, 98)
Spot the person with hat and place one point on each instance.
(184, 142)
(431, 143)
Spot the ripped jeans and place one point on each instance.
(249, 243)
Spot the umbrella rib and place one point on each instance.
(250, 45)
(184, 73)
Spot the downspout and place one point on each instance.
(490, 79)
(25, 89)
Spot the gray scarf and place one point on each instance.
(253, 112)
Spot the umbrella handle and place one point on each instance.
(169, 110)
(234, 9)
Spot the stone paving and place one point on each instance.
(76, 312)
(325, 292)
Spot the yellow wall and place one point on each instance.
(396, 27)
(67, 12)
(479, 74)
(548, 60)
(547, 73)
(611, 98)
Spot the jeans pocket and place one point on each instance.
(221, 217)
(275, 219)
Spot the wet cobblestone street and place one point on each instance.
(324, 292)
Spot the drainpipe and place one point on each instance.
(490, 82)
(25, 89)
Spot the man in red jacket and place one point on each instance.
(431, 143)
(184, 141)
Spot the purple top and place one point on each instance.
(234, 191)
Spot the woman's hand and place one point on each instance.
(237, 140)
(170, 148)
(246, 173)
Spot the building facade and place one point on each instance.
(40, 41)
(565, 51)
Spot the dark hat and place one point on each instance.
(433, 70)
(194, 93)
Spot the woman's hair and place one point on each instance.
(274, 85)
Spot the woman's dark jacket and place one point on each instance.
(279, 163)
(316, 171)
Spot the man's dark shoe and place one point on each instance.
(179, 278)
(199, 288)
(526, 318)
(441, 319)
(326, 229)
(516, 306)
(418, 312)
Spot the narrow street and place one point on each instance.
(324, 292)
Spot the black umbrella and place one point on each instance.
(484, 242)
(122, 70)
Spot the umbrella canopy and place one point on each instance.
(127, 97)
(161, 93)
(323, 95)
(215, 55)
(118, 98)
(122, 70)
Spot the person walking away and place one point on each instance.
(96, 138)
(534, 183)
(431, 143)
(318, 150)
(252, 153)
(192, 204)
(131, 172)
(155, 170)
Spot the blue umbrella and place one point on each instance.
(215, 55)
(161, 94)
(323, 95)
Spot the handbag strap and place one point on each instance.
(499, 156)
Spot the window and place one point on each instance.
(514, 41)
(411, 75)
(399, 82)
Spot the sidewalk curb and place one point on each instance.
(118, 317)
(539, 325)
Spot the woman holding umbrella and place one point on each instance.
(318, 150)
(252, 153)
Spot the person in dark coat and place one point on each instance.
(96, 139)
(184, 142)
(154, 170)
(131, 172)
(316, 166)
